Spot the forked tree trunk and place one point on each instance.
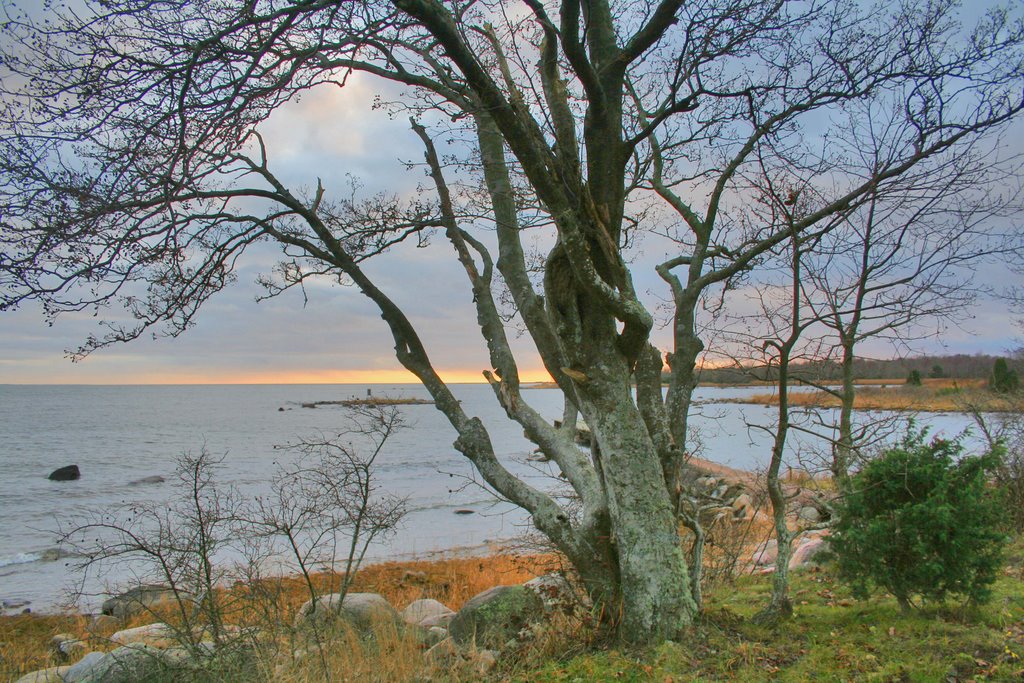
(654, 580)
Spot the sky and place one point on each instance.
(337, 335)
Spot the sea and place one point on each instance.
(125, 439)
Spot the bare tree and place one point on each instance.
(904, 264)
(134, 176)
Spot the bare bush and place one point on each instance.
(1004, 433)
(221, 557)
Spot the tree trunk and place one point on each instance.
(844, 444)
(656, 600)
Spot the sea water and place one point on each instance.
(118, 435)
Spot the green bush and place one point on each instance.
(914, 379)
(920, 520)
(1003, 380)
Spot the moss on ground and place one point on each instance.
(832, 637)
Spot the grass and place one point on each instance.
(831, 637)
(934, 395)
(25, 639)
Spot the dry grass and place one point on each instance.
(934, 395)
(808, 481)
(25, 639)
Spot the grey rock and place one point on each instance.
(809, 513)
(555, 592)
(742, 506)
(808, 553)
(152, 634)
(102, 622)
(66, 473)
(52, 675)
(141, 599)
(444, 654)
(66, 647)
(418, 610)
(485, 660)
(128, 664)
(439, 621)
(84, 667)
(766, 553)
(425, 637)
(538, 456)
(361, 610)
(706, 483)
(492, 618)
(154, 479)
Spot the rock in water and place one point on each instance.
(154, 479)
(67, 473)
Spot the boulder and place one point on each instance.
(66, 647)
(417, 577)
(706, 484)
(443, 655)
(98, 623)
(128, 664)
(140, 599)
(743, 506)
(766, 553)
(55, 674)
(438, 621)
(808, 553)
(361, 610)
(555, 592)
(485, 660)
(84, 668)
(157, 635)
(425, 637)
(419, 610)
(810, 514)
(492, 618)
(66, 473)
(154, 479)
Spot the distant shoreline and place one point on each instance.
(371, 401)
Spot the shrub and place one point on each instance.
(920, 520)
(914, 378)
(1003, 379)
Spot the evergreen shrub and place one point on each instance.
(922, 521)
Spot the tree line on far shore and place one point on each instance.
(956, 366)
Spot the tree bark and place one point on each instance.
(656, 602)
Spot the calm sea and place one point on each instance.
(120, 434)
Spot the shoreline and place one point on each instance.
(931, 398)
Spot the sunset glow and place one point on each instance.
(76, 374)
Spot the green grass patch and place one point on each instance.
(832, 637)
